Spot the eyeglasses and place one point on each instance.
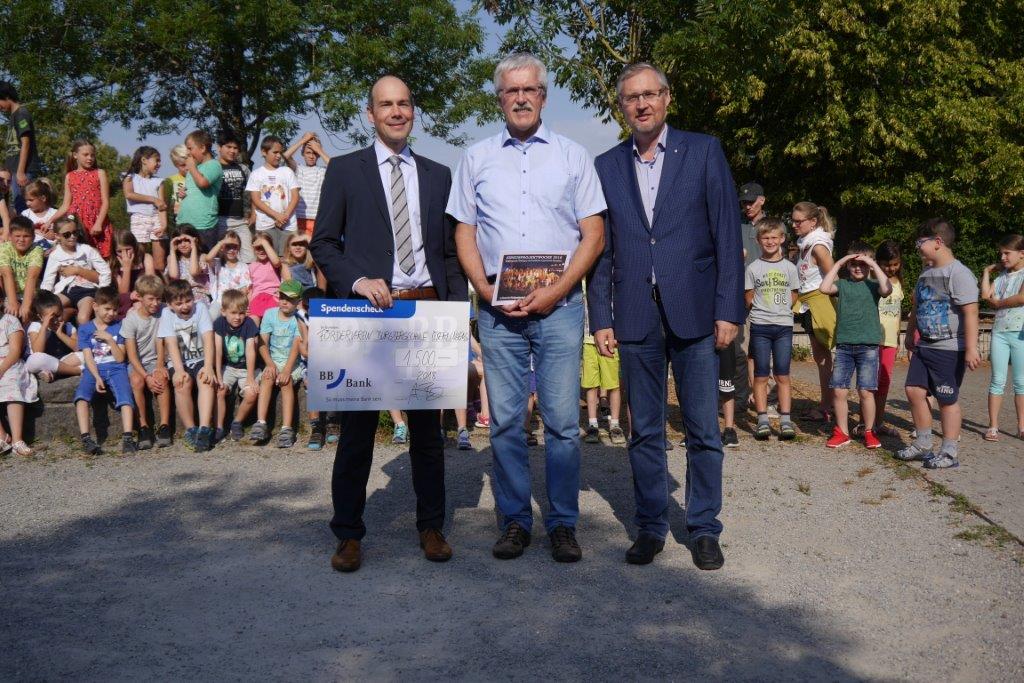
(231, 247)
(304, 245)
(634, 99)
(68, 235)
(921, 241)
(529, 92)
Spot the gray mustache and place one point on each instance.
(524, 107)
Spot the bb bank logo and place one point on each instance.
(334, 379)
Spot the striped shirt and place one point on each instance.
(310, 180)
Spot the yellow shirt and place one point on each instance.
(889, 311)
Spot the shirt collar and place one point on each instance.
(384, 152)
(659, 148)
(542, 135)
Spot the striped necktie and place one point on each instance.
(401, 224)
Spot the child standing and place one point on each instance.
(890, 312)
(106, 369)
(173, 188)
(203, 178)
(266, 274)
(87, 196)
(814, 229)
(17, 385)
(310, 176)
(282, 334)
(147, 369)
(234, 208)
(275, 194)
(1006, 296)
(147, 213)
(39, 198)
(945, 315)
(600, 371)
(187, 333)
(235, 336)
(772, 285)
(858, 335)
(74, 271)
(20, 267)
(52, 342)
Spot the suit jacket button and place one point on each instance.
(652, 240)
(389, 253)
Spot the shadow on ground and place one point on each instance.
(228, 577)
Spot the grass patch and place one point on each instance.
(801, 353)
(804, 488)
(987, 534)
(957, 501)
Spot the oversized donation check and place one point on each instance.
(411, 356)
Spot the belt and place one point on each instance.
(418, 293)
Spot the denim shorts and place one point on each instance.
(771, 347)
(862, 358)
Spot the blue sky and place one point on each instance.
(561, 114)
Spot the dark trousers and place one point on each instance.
(352, 470)
(694, 364)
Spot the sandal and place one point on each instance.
(991, 434)
(21, 448)
(5, 445)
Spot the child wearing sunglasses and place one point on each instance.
(74, 271)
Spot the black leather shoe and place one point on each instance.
(513, 541)
(644, 550)
(707, 554)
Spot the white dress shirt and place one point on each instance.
(419, 277)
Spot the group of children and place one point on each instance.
(170, 307)
(852, 307)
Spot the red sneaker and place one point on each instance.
(838, 438)
(870, 440)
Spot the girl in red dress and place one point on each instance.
(87, 196)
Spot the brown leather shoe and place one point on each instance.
(348, 557)
(435, 548)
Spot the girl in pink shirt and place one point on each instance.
(265, 273)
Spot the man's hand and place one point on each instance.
(972, 359)
(376, 291)
(540, 301)
(605, 341)
(725, 333)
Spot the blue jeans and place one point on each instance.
(862, 358)
(771, 347)
(695, 369)
(556, 342)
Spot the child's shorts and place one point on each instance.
(599, 370)
(76, 294)
(234, 377)
(727, 371)
(941, 371)
(144, 226)
(771, 344)
(115, 376)
(306, 225)
(261, 303)
(148, 366)
(862, 358)
(192, 370)
(298, 372)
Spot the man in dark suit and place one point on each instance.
(382, 234)
(668, 289)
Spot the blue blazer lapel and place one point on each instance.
(373, 183)
(675, 152)
(628, 170)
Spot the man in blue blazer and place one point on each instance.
(382, 234)
(668, 289)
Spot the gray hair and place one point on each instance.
(633, 70)
(517, 61)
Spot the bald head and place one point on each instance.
(391, 111)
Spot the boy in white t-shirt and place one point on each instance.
(275, 193)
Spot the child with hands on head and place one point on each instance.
(147, 366)
(225, 259)
(187, 332)
(186, 262)
(266, 273)
(858, 335)
(106, 365)
(53, 343)
(127, 264)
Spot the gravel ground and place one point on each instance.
(172, 565)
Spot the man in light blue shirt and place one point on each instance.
(527, 190)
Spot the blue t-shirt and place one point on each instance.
(101, 351)
(282, 334)
(234, 340)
